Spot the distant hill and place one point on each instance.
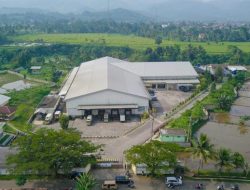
(132, 11)
(119, 15)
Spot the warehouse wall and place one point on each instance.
(104, 97)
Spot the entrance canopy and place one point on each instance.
(191, 81)
(109, 106)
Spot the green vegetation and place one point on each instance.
(7, 78)
(21, 180)
(49, 152)
(8, 129)
(85, 182)
(4, 138)
(218, 100)
(132, 41)
(64, 121)
(26, 101)
(158, 156)
(202, 149)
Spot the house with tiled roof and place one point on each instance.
(7, 112)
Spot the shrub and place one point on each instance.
(145, 115)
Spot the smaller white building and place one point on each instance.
(235, 68)
(35, 69)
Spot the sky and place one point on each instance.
(172, 9)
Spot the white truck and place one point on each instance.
(122, 118)
(89, 120)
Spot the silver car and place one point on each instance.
(176, 181)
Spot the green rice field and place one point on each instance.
(126, 40)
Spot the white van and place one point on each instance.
(48, 118)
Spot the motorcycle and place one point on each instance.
(235, 187)
(220, 187)
(131, 184)
(171, 186)
(199, 186)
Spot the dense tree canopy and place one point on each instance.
(48, 152)
(155, 154)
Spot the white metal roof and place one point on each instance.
(35, 67)
(3, 99)
(236, 68)
(160, 70)
(68, 82)
(101, 74)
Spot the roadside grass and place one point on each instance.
(7, 78)
(131, 41)
(25, 102)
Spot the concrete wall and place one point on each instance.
(104, 98)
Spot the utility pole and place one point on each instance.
(190, 128)
(153, 119)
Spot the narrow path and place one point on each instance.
(14, 128)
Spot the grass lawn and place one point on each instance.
(26, 101)
(7, 78)
(126, 40)
(8, 129)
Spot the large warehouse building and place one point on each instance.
(108, 85)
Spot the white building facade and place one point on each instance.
(113, 86)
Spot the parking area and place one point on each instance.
(147, 183)
(167, 100)
(101, 129)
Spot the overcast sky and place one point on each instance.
(172, 9)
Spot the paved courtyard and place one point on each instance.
(167, 100)
(101, 129)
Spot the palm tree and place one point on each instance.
(85, 182)
(202, 149)
(224, 159)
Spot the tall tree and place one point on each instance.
(156, 155)
(202, 149)
(224, 159)
(48, 152)
(64, 121)
(219, 74)
(158, 40)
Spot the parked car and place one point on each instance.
(109, 185)
(176, 181)
(152, 95)
(123, 179)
